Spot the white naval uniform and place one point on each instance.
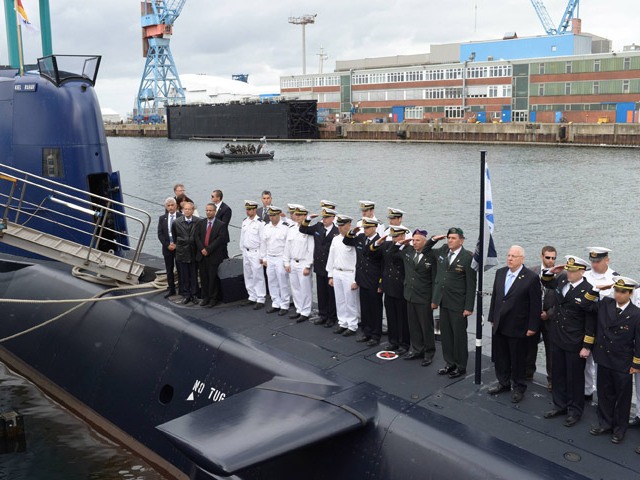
(341, 266)
(595, 279)
(250, 240)
(635, 299)
(271, 251)
(298, 254)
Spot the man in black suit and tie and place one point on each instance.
(223, 213)
(210, 236)
(323, 233)
(168, 243)
(572, 330)
(514, 313)
(183, 231)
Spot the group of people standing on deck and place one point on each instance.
(586, 314)
(589, 318)
(194, 246)
(362, 268)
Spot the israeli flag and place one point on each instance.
(490, 256)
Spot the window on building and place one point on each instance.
(596, 66)
(493, 91)
(596, 88)
(567, 67)
(453, 112)
(541, 90)
(626, 64)
(520, 116)
(625, 86)
(567, 88)
(414, 113)
(541, 69)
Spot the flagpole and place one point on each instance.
(483, 166)
(19, 33)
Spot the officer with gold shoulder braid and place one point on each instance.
(572, 335)
(617, 354)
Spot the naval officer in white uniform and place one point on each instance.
(250, 239)
(274, 236)
(298, 260)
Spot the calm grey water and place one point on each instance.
(568, 197)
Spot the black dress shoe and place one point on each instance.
(412, 356)
(258, 306)
(363, 338)
(294, 315)
(170, 294)
(556, 412)
(458, 372)
(320, 321)
(588, 398)
(302, 318)
(446, 370)
(210, 305)
(599, 431)
(204, 302)
(283, 312)
(498, 389)
(329, 324)
(186, 300)
(271, 310)
(616, 438)
(635, 422)
(247, 302)
(348, 333)
(637, 450)
(372, 343)
(426, 362)
(401, 351)
(516, 397)
(338, 330)
(571, 421)
(391, 346)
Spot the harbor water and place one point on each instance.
(568, 197)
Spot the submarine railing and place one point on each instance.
(56, 192)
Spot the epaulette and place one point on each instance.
(589, 340)
(591, 297)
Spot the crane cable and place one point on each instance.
(160, 283)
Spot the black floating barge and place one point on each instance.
(296, 119)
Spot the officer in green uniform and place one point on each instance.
(454, 292)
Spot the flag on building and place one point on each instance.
(489, 254)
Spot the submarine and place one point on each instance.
(222, 393)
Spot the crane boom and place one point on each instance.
(568, 15)
(544, 17)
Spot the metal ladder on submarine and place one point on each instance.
(33, 206)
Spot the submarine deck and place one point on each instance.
(461, 400)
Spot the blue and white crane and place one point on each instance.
(160, 84)
(545, 18)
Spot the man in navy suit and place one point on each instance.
(210, 236)
(168, 243)
(515, 309)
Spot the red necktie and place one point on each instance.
(206, 237)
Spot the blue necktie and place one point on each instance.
(507, 284)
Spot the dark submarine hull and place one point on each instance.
(214, 403)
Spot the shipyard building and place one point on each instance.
(573, 77)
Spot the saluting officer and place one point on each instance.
(274, 236)
(617, 353)
(323, 233)
(572, 330)
(395, 216)
(600, 274)
(298, 260)
(250, 239)
(368, 277)
(367, 207)
(454, 291)
(341, 271)
(393, 279)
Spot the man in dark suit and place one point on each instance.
(168, 244)
(210, 236)
(323, 233)
(223, 213)
(572, 330)
(266, 203)
(454, 291)
(548, 260)
(183, 231)
(368, 275)
(514, 313)
(617, 354)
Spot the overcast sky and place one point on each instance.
(223, 37)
